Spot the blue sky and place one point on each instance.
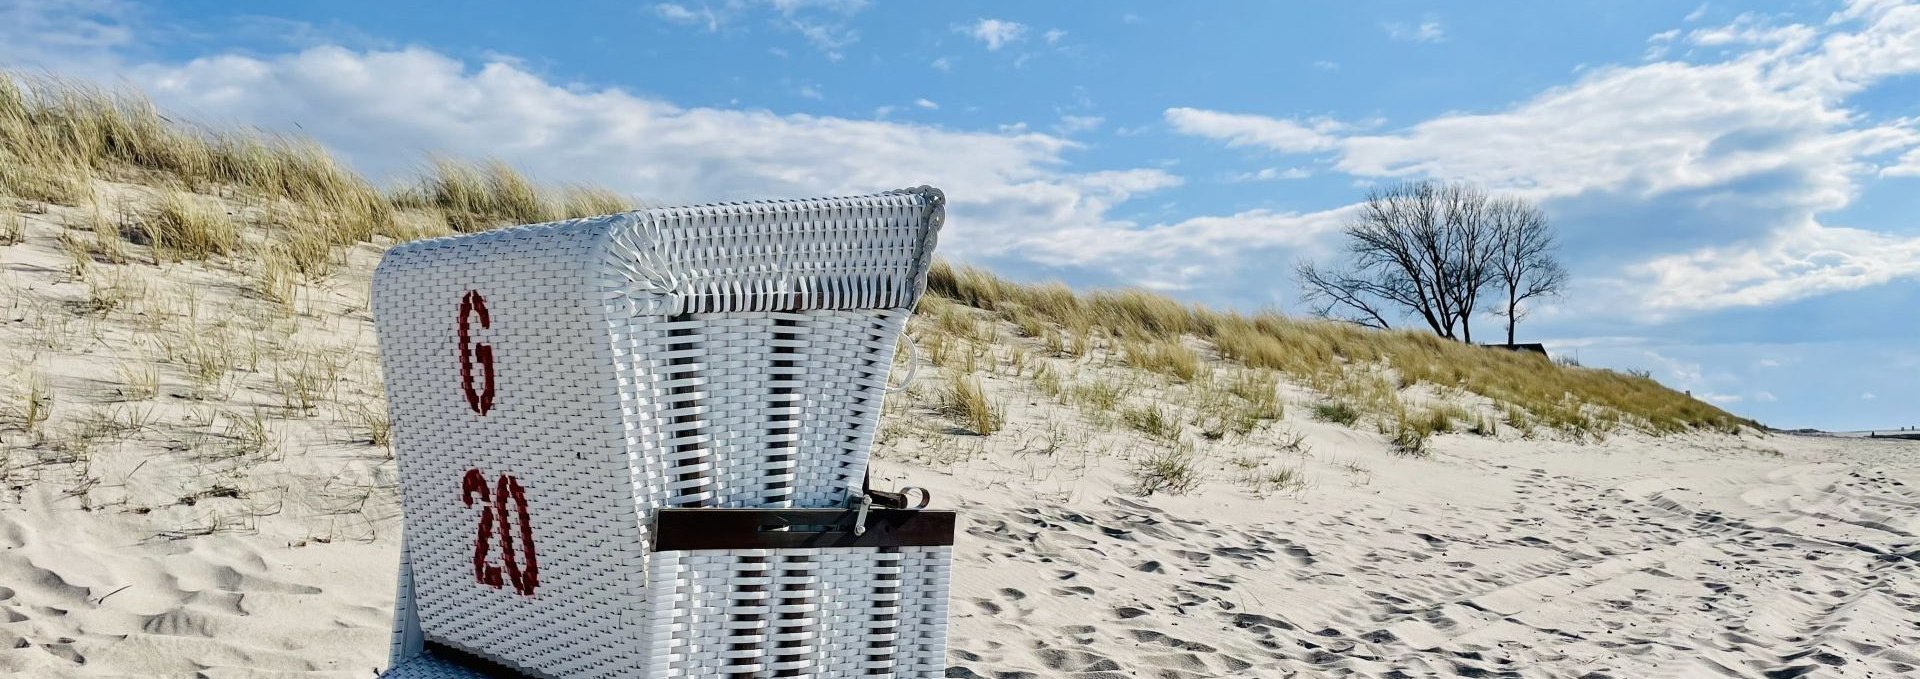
(1737, 186)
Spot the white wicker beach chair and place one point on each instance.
(628, 445)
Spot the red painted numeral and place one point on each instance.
(474, 307)
(494, 518)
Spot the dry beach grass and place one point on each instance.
(194, 478)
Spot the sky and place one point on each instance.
(1736, 187)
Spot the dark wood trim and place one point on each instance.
(684, 529)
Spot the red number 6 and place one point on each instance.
(493, 517)
(481, 399)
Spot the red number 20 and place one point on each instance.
(493, 518)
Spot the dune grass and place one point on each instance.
(1348, 360)
(965, 400)
(57, 137)
(476, 196)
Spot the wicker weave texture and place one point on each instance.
(550, 385)
(837, 612)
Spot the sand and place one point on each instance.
(1636, 558)
(180, 545)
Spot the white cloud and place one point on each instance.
(1909, 166)
(1682, 374)
(1868, 396)
(1188, 247)
(1076, 124)
(1273, 173)
(827, 37)
(681, 14)
(1011, 193)
(942, 64)
(1429, 30)
(1659, 44)
(1765, 397)
(72, 35)
(839, 6)
(1796, 264)
(926, 104)
(1752, 29)
(1721, 399)
(810, 92)
(821, 23)
(1237, 129)
(1054, 35)
(994, 33)
(1326, 65)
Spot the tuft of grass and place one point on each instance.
(370, 419)
(1166, 357)
(476, 196)
(964, 399)
(1263, 481)
(1337, 412)
(208, 359)
(591, 201)
(1154, 422)
(1101, 395)
(13, 226)
(306, 378)
(276, 276)
(1410, 441)
(138, 381)
(117, 289)
(1251, 398)
(1173, 471)
(181, 227)
(50, 181)
(1409, 435)
(1047, 381)
(36, 401)
(250, 437)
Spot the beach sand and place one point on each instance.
(1677, 557)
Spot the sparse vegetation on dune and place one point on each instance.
(1330, 354)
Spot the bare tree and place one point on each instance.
(1417, 248)
(1525, 266)
(1433, 250)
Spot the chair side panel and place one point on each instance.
(753, 409)
(521, 526)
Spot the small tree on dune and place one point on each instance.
(1433, 250)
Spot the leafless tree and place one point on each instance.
(1432, 250)
(1525, 266)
